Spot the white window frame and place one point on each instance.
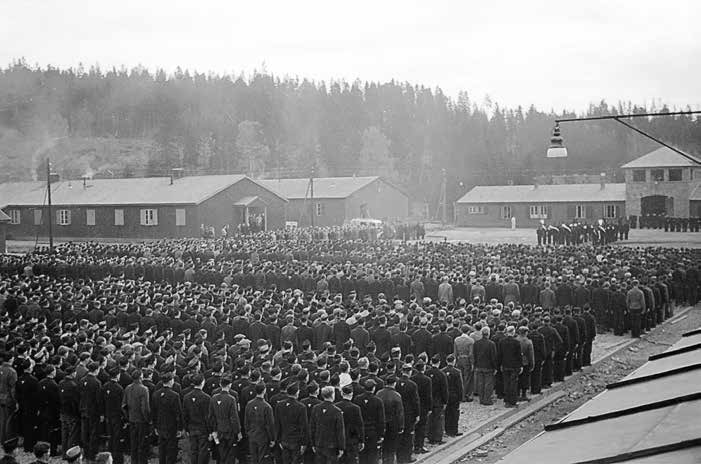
(38, 216)
(320, 209)
(63, 217)
(538, 211)
(506, 212)
(119, 217)
(580, 211)
(475, 209)
(90, 217)
(180, 217)
(149, 217)
(609, 211)
(15, 216)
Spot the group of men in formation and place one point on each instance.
(289, 349)
(577, 233)
(669, 223)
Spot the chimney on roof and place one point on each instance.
(85, 178)
(176, 173)
(535, 183)
(602, 180)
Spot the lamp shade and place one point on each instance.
(557, 148)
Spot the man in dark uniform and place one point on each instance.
(553, 341)
(69, 399)
(538, 341)
(311, 400)
(327, 429)
(49, 423)
(408, 390)
(373, 414)
(583, 336)
(90, 390)
(353, 426)
(260, 425)
(167, 419)
(439, 386)
(27, 392)
(224, 421)
(590, 323)
(455, 395)
(423, 385)
(561, 354)
(394, 418)
(112, 394)
(573, 332)
(291, 426)
(195, 420)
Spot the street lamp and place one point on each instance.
(557, 146)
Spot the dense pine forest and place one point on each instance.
(132, 122)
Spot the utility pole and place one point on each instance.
(50, 210)
(444, 198)
(311, 195)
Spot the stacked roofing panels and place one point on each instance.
(651, 416)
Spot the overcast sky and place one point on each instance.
(562, 54)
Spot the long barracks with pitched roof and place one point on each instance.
(660, 183)
(177, 206)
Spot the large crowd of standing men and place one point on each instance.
(284, 347)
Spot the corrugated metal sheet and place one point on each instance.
(642, 420)
(324, 187)
(136, 191)
(662, 157)
(580, 193)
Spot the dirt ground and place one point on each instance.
(488, 235)
(494, 235)
(582, 389)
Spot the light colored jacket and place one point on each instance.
(463, 346)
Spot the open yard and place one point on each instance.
(493, 235)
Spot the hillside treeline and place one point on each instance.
(127, 122)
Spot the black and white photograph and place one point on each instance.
(312, 232)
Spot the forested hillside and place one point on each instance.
(130, 122)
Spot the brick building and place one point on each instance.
(663, 182)
(152, 207)
(339, 199)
